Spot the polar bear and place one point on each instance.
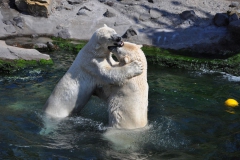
(92, 67)
(127, 103)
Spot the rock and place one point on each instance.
(40, 8)
(64, 33)
(84, 7)
(144, 16)
(234, 4)
(21, 5)
(150, 1)
(234, 27)
(109, 3)
(72, 2)
(108, 14)
(221, 19)
(83, 11)
(129, 33)
(34, 36)
(41, 46)
(51, 46)
(18, 22)
(155, 13)
(160, 31)
(15, 53)
(186, 24)
(10, 29)
(187, 14)
(233, 17)
(59, 27)
(7, 22)
(59, 8)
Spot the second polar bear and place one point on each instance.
(127, 103)
(92, 67)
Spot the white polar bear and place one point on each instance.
(92, 67)
(127, 103)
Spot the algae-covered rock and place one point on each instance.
(186, 60)
(15, 53)
(183, 59)
(14, 58)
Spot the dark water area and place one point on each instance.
(187, 118)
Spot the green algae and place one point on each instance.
(182, 59)
(189, 60)
(9, 66)
(73, 46)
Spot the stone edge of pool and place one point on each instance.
(183, 58)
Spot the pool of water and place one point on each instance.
(187, 118)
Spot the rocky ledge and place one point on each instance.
(15, 58)
(16, 53)
(205, 27)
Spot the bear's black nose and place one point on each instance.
(116, 37)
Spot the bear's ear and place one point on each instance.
(105, 25)
(140, 46)
(97, 46)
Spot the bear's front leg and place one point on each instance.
(111, 61)
(117, 75)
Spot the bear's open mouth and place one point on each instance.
(111, 48)
(118, 44)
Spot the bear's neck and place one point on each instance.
(91, 47)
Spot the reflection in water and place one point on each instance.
(125, 140)
(187, 119)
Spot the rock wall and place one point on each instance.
(179, 24)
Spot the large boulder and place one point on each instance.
(129, 33)
(41, 8)
(221, 19)
(14, 53)
(187, 14)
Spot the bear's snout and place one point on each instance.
(116, 37)
(118, 40)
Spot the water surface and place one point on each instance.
(187, 116)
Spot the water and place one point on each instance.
(187, 118)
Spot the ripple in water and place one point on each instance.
(187, 120)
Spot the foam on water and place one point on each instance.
(157, 135)
(223, 75)
(230, 77)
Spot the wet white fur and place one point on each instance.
(91, 68)
(127, 104)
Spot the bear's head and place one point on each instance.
(126, 53)
(106, 37)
